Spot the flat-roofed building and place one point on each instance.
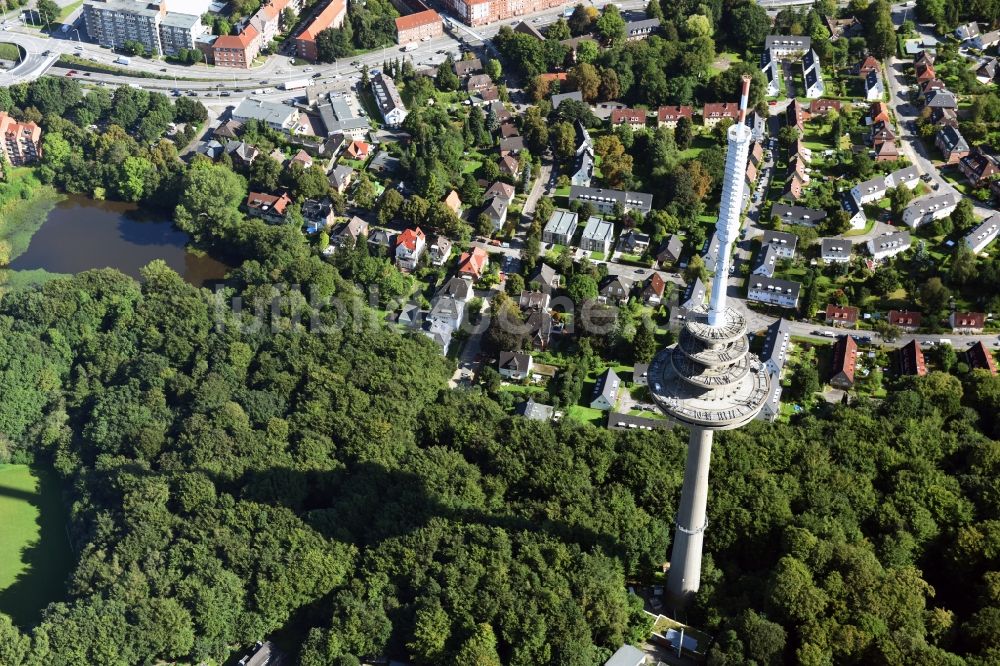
(560, 228)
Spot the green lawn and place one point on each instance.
(10, 52)
(586, 415)
(699, 142)
(35, 558)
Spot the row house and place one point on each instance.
(930, 208)
(888, 245)
(984, 234)
(845, 316)
(905, 320)
(634, 118)
(669, 116)
(952, 144)
(772, 291)
(910, 359)
(967, 322)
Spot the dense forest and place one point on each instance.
(227, 482)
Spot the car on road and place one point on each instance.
(926, 177)
(308, 69)
(163, 69)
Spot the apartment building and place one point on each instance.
(332, 16)
(111, 23)
(22, 142)
(237, 51)
(482, 12)
(418, 26)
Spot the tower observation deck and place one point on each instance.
(709, 380)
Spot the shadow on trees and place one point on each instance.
(366, 504)
(48, 559)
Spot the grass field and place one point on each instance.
(35, 558)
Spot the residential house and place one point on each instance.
(634, 118)
(854, 211)
(929, 208)
(777, 342)
(967, 31)
(478, 82)
(669, 253)
(905, 320)
(930, 86)
(908, 176)
(987, 71)
(496, 210)
(812, 75)
(793, 188)
(940, 99)
(835, 250)
(511, 145)
(874, 88)
(967, 322)
(317, 215)
(823, 106)
(712, 114)
(944, 117)
(845, 352)
(784, 243)
(390, 104)
(459, 289)
(466, 68)
(597, 236)
(445, 317)
(795, 115)
(924, 71)
(472, 264)
(783, 46)
(984, 234)
(268, 207)
(242, 154)
(790, 214)
(539, 325)
(886, 151)
(382, 241)
(769, 67)
(633, 242)
(439, 251)
(534, 411)
(879, 113)
(626, 655)
(841, 315)
(923, 58)
(669, 116)
(978, 168)
(409, 246)
(615, 289)
(340, 177)
(605, 394)
(767, 260)
(870, 191)
(887, 245)
(559, 98)
(500, 189)
(640, 374)
(526, 28)
(351, 231)
(635, 30)
(213, 150)
(756, 154)
(453, 202)
(868, 65)
(509, 166)
(910, 359)
(605, 200)
(584, 173)
(710, 251)
(544, 278)
(533, 300)
(358, 150)
(842, 27)
(772, 291)
(986, 40)
(227, 131)
(560, 228)
(514, 365)
(980, 358)
(655, 287)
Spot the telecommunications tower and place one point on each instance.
(709, 380)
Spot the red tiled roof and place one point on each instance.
(473, 263)
(980, 358)
(323, 20)
(665, 113)
(240, 41)
(904, 318)
(847, 314)
(845, 353)
(968, 320)
(409, 238)
(411, 21)
(721, 110)
(911, 359)
(627, 115)
(657, 284)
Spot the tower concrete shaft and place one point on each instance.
(692, 517)
(709, 380)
